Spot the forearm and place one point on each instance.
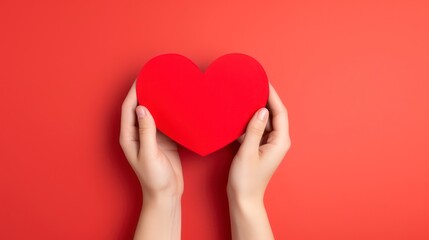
(249, 220)
(159, 219)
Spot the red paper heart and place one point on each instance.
(202, 111)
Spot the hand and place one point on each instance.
(257, 159)
(155, 160)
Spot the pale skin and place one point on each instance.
(156, 162)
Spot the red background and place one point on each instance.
(353, 74)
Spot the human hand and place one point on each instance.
(262, 150)
(152, 155)
(155, 160)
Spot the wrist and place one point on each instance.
(244, 197)
(249, 219)
(162, 201)
(160, 217)
(245, 203)
(161, 196)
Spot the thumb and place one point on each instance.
(147, 130)
(255, 130)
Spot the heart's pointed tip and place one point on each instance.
(202, 153)
(208, 152)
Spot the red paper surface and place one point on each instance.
(202, 111)
(353, 75)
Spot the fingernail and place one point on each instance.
(262, 114)
(140, 112)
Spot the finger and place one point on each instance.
(165, 143)
(268, 128)
(147, 131)
(241, 138)
(280, 123)
(128, 132)
(255, 130)
(263, 141)
(170, 149)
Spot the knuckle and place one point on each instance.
(122, 141)
(288, 144)
(145, 129)
(257, 129)
(123, 145)
(282, 111)
(125, 105)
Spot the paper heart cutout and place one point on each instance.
(202, 111)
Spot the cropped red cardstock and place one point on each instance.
(202, 111)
